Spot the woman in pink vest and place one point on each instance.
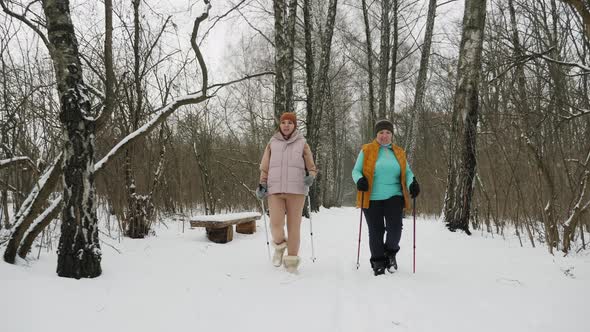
(283, 179)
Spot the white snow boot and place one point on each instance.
(291, 263)
(277, 257)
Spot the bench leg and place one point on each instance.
(221, 235)
(246, 227)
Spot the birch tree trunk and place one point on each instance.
(290, 61)
(418, 108)
(462, 152)
(309, 58)
(372, 116)
(314, 119)
(384, 58)
(281, 55)
(394, 50)
(79, 251)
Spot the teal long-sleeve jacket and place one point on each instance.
(387, 177)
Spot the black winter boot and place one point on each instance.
(378, 265)
(391, 262)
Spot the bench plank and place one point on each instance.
(219, 223)
(219, 227)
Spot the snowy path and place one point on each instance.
(182, 282)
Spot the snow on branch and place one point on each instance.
(158, 118)
(578, 208)
(573, 220)
(543, 55)
(30, 206)
(521, 61)
(16, 160)
(54, 204)
(577, 112)
(38, 225)
(163, 114)
(584, 68)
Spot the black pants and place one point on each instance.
(384, 215)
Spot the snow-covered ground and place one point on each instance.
(179, 281)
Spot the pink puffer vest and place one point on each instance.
(287, 167)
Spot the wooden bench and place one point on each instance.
(219, 227)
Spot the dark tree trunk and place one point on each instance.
(418, 109)
(4, 203)
(372, 116)
(290, 60)
(281, 55)
(384, 58)
(309, 58)
(79, 252)
(584, 11)
(108, 59)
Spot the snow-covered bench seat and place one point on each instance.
(219, 227)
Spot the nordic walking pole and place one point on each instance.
(310, 228)
(358, 251)
(414, 213)
(265, 227)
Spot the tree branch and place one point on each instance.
(26, 21)
(17, 160)
(198, 54)
(584, 11)
(219, 18)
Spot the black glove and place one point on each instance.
(308, 180)
(261, 191)
(362, 184)
(414, 189)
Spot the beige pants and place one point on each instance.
(291, 205)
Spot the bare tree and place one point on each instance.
(417, 109)
(43, 188)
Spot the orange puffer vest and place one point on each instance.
(371, 152)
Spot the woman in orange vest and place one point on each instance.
(385, 184)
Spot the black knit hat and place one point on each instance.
(383, 124)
